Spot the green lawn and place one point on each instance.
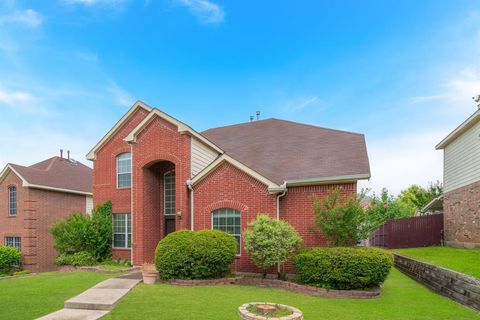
(402, 298)
(462, 260)
(34, 296)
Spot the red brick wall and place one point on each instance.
(105, 170)
(37, 210)
(461, 212)
(228, 187)
(296, 208)
(160, 142)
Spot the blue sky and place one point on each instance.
(401, 72)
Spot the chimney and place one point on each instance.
(477, 100)
(68, 155)
(61, 153)
(258, 115)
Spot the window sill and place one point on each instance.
(123, 188)
(123, 249)
(10, 216)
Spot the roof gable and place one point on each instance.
(467, 124)
(91, 155)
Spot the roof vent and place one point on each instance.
(477, 100)
(258, 115)
(251, 118)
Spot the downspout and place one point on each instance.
(131, 204)
(279, 195)
(190, 187)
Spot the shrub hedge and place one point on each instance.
(9, 257)
(343, 267)
(189, 254)
(82, 258)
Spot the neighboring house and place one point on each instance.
(435, 206)
(162, 176)
(461, 183)
(35, 197)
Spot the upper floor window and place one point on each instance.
(124, 170)
(169, 187)
(228, 220)
(12, 201)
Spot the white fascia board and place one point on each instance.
(226, 158)
(91, 155)
(9, 168)
(328, 180)
(37, 186)
(467, 124)
(181, 128)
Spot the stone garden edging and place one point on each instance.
(279, 284)
(98, 269)
(457, 286)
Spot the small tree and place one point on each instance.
(270, 242)
(83, 233)
(342, 220)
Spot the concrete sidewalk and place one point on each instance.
(95, 302)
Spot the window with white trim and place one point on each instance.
(122, 230)
(124, 170)
(12, 201)
(169, 193)
(15, 242)
(228, 220)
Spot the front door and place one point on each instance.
(169, 225)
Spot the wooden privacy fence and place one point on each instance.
(411, 232)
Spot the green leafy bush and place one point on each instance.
(82, 258)
(18, 273)
(195, 254)
(343, 267)
(85, 233)
(270, 241)
(9, 257)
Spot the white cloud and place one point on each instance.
(400, 161)
(119, 95)
(87, 56)
(302, 103)
(459, 89)
(96, 2)
(15, 97)
(28, 18)
(206, 12)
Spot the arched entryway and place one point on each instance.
(159, 203)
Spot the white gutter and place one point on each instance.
(131, 202)
(190, 187)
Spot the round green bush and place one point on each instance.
(195, 254)
(343, 268)
(9, 257)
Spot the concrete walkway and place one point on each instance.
(97, 301)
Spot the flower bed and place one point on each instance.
(278, 284)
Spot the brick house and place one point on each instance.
(35, 197)
(461, 179)
(162, 176)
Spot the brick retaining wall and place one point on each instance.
(279, 284)
(457, 286)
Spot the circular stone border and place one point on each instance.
(244, 314)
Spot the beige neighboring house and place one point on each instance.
(461, 181)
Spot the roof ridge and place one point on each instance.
(289, 121)
(52, 161)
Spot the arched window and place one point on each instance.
(124, 170)
(12, 201)
(228, 220)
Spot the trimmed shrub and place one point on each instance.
(188, 254)
(343, 267)
(84, 233)
(76, 259)
(9, 257)
(270, 241)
